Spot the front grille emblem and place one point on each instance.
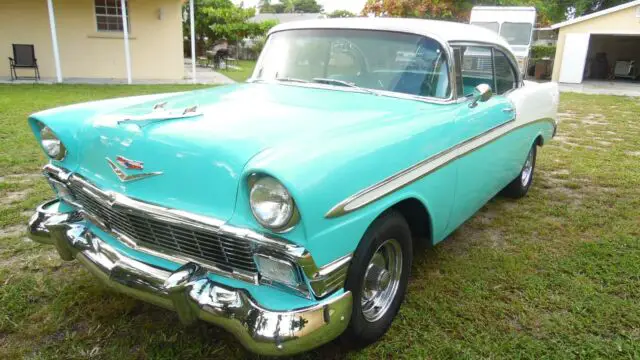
(129, 164)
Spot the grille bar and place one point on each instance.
(224, 251)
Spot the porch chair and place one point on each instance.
(24, 57)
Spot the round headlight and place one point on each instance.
(51, 144)
(271, 204)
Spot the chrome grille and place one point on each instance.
(227, 252)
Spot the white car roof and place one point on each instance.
(444, 31)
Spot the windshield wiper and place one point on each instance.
(329, 81)
(289, 79)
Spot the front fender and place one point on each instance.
(321, 173)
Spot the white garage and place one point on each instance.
(603, 46)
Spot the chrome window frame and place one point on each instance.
(493, 46)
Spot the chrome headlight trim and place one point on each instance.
(51, 143)
(288, 220)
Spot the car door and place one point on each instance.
(484, 163)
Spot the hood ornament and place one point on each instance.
(129, 164)
(160, 113)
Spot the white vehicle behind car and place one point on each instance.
(514, 23)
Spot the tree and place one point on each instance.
(266, 7)
(217, 19)
(307, 6)
(426, 9)
(584, 7)
(341, 14)
(549, 11)
(289, 6)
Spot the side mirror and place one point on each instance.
(481, 93)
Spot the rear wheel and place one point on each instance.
(521, 184)
(378, 277)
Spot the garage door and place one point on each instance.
(574, 56)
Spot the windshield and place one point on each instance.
(493, 26)
(369, 60)
(516, 33)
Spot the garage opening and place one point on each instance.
(613, 57)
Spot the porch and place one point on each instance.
(203, 76)
(99, 41)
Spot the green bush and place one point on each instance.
(543, 51)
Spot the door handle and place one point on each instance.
(508, 110)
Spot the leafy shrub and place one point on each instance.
(543, 51)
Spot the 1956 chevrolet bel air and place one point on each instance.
(287, 209)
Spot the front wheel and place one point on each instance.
(521, 184)
(378, 277)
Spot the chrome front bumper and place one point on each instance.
(190, 291)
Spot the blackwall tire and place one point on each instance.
(520, 185)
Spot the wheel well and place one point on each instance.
(539, 141)
(418, 218)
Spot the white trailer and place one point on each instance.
(514, 23)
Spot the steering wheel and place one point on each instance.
(426, 89)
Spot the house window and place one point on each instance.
(109, 15)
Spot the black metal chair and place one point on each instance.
(24, 57)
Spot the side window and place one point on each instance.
(505, 78)
(476, 68)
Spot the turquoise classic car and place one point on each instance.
(287, 209)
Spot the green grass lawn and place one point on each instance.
(242, 74)
(553, 275)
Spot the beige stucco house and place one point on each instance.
(589, 46)
(90, 38)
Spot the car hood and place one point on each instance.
(201, 155)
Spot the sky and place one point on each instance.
(355, 6)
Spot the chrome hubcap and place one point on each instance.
(527, 170)
(381, 280)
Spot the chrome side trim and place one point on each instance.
(422, 169)
(318, 281)
(193, 295)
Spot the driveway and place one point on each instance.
(596, 87)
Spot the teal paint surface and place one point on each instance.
(323, 145)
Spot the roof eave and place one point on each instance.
(596, 14)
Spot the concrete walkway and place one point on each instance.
(619, 87)
(203, 76)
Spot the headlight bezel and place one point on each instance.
(48, 136)
(293, 217)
